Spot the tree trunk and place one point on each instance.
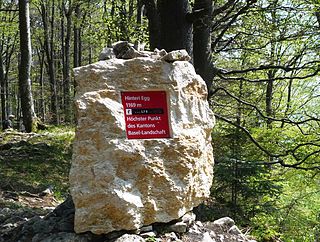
(175, 30)
(202, 55)
(269, 97)
(271, 73)
(288, 105)
(48, 46)
(76, 39)
(131, 8)
(10, 49)
(24, 67)
(124, 19)
(139, 24)
(154, 23)
(237, 155)
(66, 66)
(317, 13)
(2, 88)
(41, 84)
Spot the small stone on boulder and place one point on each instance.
(106, 54)
(176, 55)
(125, 50)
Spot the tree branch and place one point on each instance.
(284, 120)
(256, 143)
(268, 67)
(278, 160)
(232, 20)
(9, 10)
(220, 73)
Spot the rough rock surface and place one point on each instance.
(120, 184)
(57, 226)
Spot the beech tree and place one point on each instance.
(66, 11)
(48, 21)
(27, 107)
(2, 86)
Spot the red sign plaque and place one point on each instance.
(146, 114)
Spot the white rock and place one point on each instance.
(206, 238)
(179, 227)
(225, 222)
(199, 224)
(212, 234)
(123, 184)
(148, 235)
(189, 218)
(234, 230)
(130, 238)
(194, 230)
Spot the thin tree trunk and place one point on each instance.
(317, 13)
(269, 97)
(62, 30)
(63, 54)
(41, 84)
(6, 76)
(24, 67)
(2, 87)
(53, 74)
(76, 40)
(124, 19)
(288, 106)
(139, 23)
(237, 154)
(48, 44)
(8, 57)
(271, 73)
(234, 190)
(90, 55)
(80, 48)
(66, 66)
(131, 8)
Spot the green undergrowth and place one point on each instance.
(36, 161)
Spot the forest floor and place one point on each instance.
(34, 171)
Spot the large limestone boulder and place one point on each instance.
(123, 184)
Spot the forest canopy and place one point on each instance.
(259, 59)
